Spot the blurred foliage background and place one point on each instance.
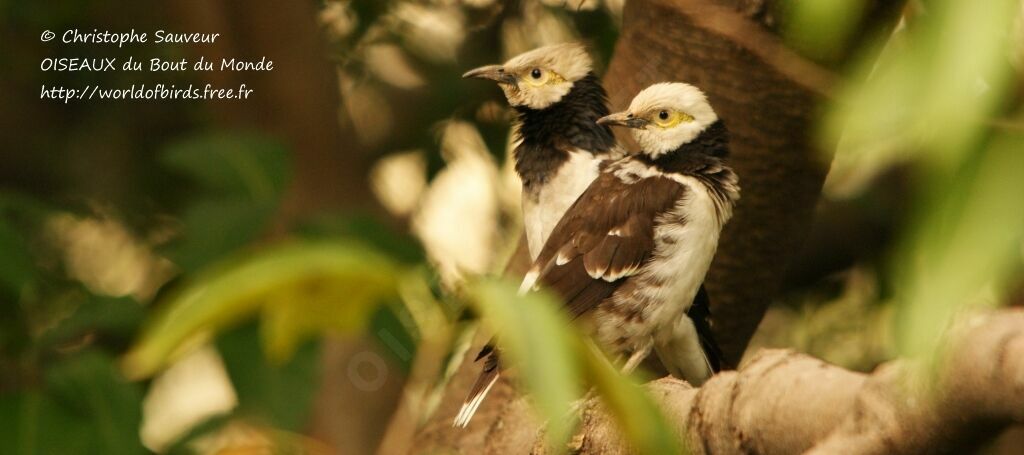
(173, 274)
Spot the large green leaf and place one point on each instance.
(301, 288)
(90, 385)
(214, 228)
(16, 267)
(115, 316)
(641, 421)
(21, 217)
(536, 337)
(31, 418)
(820, 30)
(966, 242)
(243, 177)
(86, 407)
(368, 228)
(276, 395)
(931, 92)
(233, 164)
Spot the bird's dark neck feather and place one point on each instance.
(704, 159)
(711, 146)
(547, 134)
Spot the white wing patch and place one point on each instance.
(468, 409)
(631, 270)
(598, 274)
(529, 281)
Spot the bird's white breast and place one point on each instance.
(544, 205)
(685, 240)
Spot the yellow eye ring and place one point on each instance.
(537, 77)
(668, 119)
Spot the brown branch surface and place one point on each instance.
(782, 402)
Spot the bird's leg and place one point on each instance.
(634, 361)
(638, 356)
(577, 406)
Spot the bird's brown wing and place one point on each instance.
(604, 237)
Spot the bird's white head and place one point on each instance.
(541, 77)
(665, 116)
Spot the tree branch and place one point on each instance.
(782, 402)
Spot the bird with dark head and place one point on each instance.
(629, 256)
(558, 99)
(560, 147)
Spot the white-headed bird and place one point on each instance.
(560, 144)
(630, 254)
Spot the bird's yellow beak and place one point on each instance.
(495, 73)
(626, 119)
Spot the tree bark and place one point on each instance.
(783, 402)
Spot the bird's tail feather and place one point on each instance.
(700, 314)
(481, 387)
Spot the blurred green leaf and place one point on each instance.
(90, 385)
(931, 91)
(554, 360)
(635, 412)
(538, 339)
(299, 287)
(16, 267)
(367, 12)
(277, 395)
(214, 228)
(394, 331)
(85, 408)
(367, 228)
(119, 317)
(244, 176)
(183, 446)
(820, 30)
(32, 418)
(966, 240)
(233, 164)
(20, 217)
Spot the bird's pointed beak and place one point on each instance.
(495, 73)
(625, 119)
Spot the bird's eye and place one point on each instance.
(535, 73)
(663, 115)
